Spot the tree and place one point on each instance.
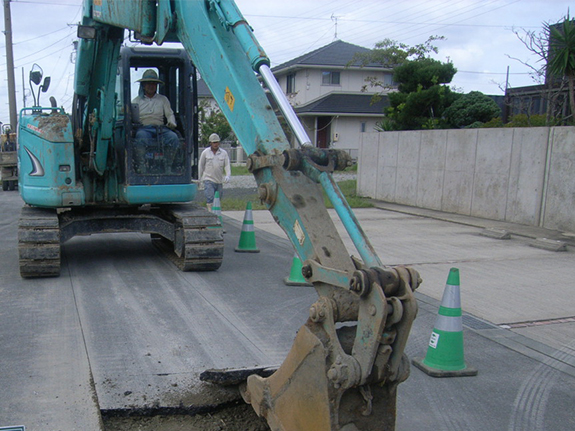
(390, 53)
(561, 60)
(422, 95)
(422, 74)
(555, 48)
(214, 121)
(471, 110)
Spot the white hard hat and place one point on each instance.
(214, 137)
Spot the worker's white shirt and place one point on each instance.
(154, 109)
(212, 166)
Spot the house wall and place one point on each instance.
(347, 128)
(308, 83)
(522, 175)
(308, 124)
(349, 133)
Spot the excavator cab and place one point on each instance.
(159, 162)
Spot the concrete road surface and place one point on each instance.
(122, 329)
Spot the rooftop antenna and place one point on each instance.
(334, 18)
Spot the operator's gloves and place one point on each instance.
(227, 179)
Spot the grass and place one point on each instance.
(240, 170)
(347, 187)
(239, 204)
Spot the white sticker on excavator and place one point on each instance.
(434, 340)
(298, 232)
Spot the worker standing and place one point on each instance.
(214, 169)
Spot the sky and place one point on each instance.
(480, 36)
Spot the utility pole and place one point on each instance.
(10, 66)
(23, 89)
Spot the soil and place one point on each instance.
(237, 418)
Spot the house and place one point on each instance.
(545, 99)
(550, 98)
(205, 99)
(328, 89)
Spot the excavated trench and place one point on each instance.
(232, 416)
(218, 405)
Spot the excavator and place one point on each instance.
(8, 158)
(77, 176)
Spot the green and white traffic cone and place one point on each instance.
(295, 277)
(445, 356)
(217, 210)
(217, 206)
(247, 242)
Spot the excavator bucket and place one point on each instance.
(320, 385)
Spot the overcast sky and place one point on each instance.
(479, 35)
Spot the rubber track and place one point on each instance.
(200, 241)
(39, 243)
(203, 239)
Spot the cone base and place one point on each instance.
(247, 250)
(435, 372)
(289, 282)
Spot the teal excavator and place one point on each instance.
(77, 177)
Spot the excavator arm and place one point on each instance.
(347, 359)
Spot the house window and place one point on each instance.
(362, 127)
(388, 80)
(290, 83)
(329, 78)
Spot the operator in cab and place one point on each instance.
(155, 114)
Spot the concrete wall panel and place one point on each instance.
(369, 162)
(431, 169)
(387, 178)
(491, 178)
(560, 195)
(461, 150)
(407, 167)
(524, 175)
(489, 196)
(527, 175)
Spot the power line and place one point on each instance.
(41, 36)
(47, 3)
(46, 47)
(493, 73)
(483, 4)
(371, 21)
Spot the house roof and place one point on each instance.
(336, 54)
(202, 89)
(344, 104)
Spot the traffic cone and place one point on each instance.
(217, 206)
(217, 209)
(295, 277)
(444, 356)
(247, 242)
